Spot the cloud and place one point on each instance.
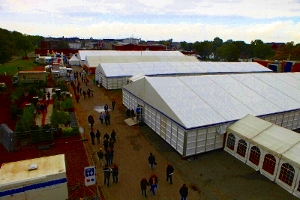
(279, 31)
(246, 8)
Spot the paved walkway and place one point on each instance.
(213, 175)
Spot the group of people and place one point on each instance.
(152, 182)
(108, 143)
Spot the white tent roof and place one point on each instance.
(277, 140)
(94, 61)
(169, 68)
(74, 58)
(84, 53)
(195, 101)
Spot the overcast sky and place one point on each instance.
(190, 20)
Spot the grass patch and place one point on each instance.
(11, 68)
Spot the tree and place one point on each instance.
(22, 42)
(204, 49)
(228, 52)
(63, 45)
(217, 43)
(263, 51)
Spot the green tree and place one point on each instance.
(217, 43)
(22, 42)
(204, 49)
(228, 52)
(262, 51)
(63, 45)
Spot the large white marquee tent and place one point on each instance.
(271, 149)
(191, 113)
(115, 75)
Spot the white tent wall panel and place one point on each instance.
(296, 120)
(296, 191)
(152, 119)
(168, 131)
(163, 127)
(174, 135)
(191, 141)
(157, 125)
(283, 184)
(219, 141)
(201, 140)
(211, 136)
(180, 140)
(264, 172)
(125, 96)
(249, 162)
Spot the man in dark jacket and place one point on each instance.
(92, 134)
(184, 191)
(91, 120)
(100, 155)
(144, 184)
(98, 135)
(169, 171)
(151, 160)
(106, 171)
(107, 157)
(105, 144)
(115, 173)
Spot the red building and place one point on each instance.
(138, 47)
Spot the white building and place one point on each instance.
(75, 45)
(39, 178)
(131, 40)
(191, 113)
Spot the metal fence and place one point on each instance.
(7, 138)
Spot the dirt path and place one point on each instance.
(131, 150)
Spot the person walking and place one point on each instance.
(113, 135)
(153, 182)
(111, 151)
(92, 92)
(100, 155)
(151, 160)
(84, 94)
(91, 120)
(105, 107)
(113, 103)
(89, 93)
(184, 191)
(106, 171)
(98, 135)
(169, 173)
(111, 143)
(106, 136)
(105, 118)
(107, 156)
(101, 118)
(77, 96)
(115, 173)
(108, 118)
(132, 113)
(144, 184)
(105, 144)
(92, 134)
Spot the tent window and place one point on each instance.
(287, 173)
(231, 141)
(254, 155)
(269, 164)
(242, 147)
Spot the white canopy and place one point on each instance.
(74, 60)
(177, 68)
(84, 53)
(196, 101)
(274, 139)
